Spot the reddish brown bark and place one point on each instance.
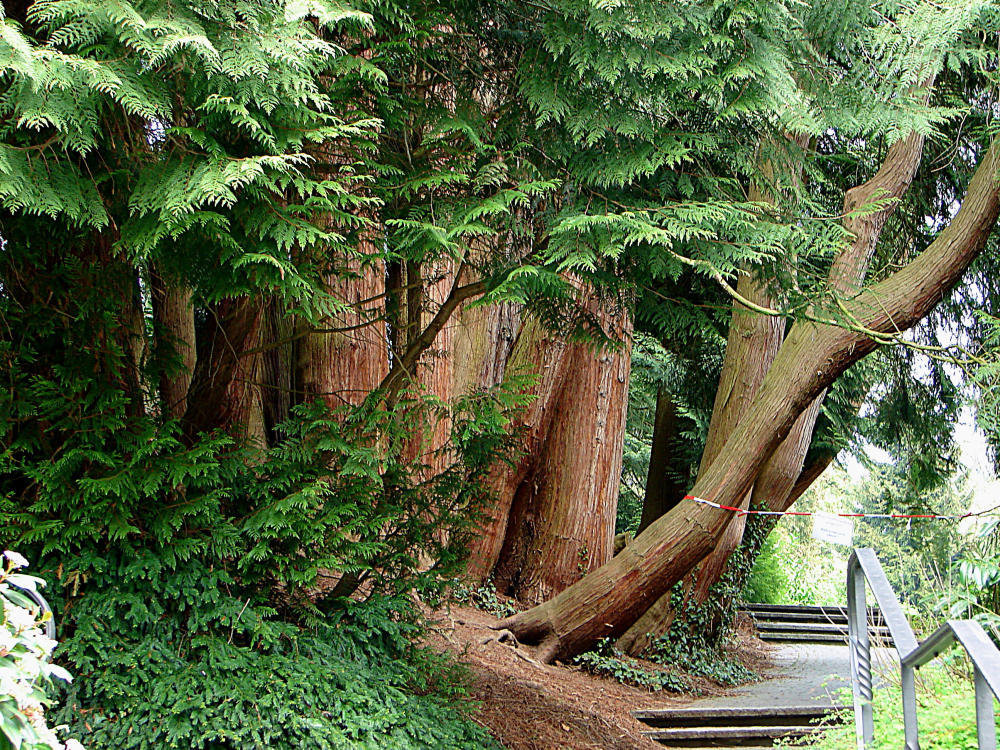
(224, 390)
(753, 342)
(608, 600)
(173, 316)
(564, 525)
(543, 354)
(810, 473)
(346, 358)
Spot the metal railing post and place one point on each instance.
(863, 566)
(909, 689)
(861, 663)
(985, 721)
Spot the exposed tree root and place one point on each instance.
(505, 636)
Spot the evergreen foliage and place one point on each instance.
(196, 573)
(226, 580)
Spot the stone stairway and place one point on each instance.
(796, 623)
(812, 661)
(745, 727)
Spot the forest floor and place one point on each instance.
(528, 705)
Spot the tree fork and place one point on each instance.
(739, 380)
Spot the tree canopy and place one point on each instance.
(311, 307)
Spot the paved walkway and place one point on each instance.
(805, 674)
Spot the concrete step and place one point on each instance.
(693, 716)
(819, 610)
(796, 617)
(809, 616)
(815, 627)
(791, 627)
(727, 736)
(774, 612)
(805, 637)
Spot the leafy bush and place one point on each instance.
(203, 582)
(607, 661)
(484, 597)
(25, 670)
(353, 682)
(770, 582)
(701, 658)
(199, 588)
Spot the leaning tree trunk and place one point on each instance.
(606, 602)
(758, 527)
(780, 471)
(752, 345)
(563, 525)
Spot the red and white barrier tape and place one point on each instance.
(747, 512)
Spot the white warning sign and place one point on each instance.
(835, 529)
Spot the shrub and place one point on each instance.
(769, 581)
(354, 682)
(946, 715)
(203, 584)
(607, 661)
(25, 670)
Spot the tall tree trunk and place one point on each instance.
(173, 318)
(663, 491)
(565, 522)
(428, 286)
(225, 390)
(343, 361)
(544, 355)
(277, 367)
(610, 599)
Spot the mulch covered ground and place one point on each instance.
(527, 705)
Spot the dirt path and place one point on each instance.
(534, 706)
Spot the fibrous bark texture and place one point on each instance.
(224, 388)
(544, 355)
(344, 360)
(751, 347)
(173, 315)
(564, 524)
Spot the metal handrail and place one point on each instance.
(863, 565)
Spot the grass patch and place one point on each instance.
(946, 714)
